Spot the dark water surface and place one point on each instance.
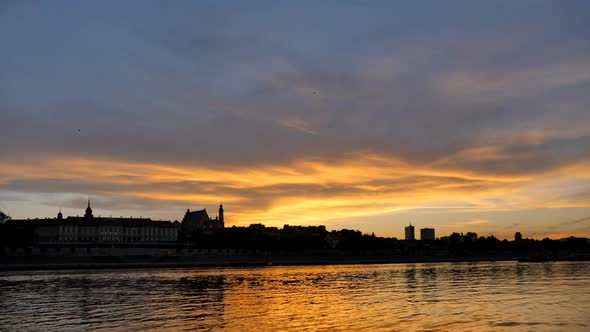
(441, 296)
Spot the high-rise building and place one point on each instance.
(427, 234)
(410, 232)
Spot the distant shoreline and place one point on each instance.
(108, 263)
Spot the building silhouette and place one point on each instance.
(410, 232)
(427, 234)
(90, 229)
(88, 213)
(517, 236)
(200, 220)
(99, 229)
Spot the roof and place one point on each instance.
(196, 215)
(96, 221)
(197, 212)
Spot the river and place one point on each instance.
(430, 296)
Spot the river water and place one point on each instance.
(442, 296)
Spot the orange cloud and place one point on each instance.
(308, 191)
(476, 222)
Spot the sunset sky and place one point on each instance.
(457, 115)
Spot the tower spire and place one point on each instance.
(88, 213)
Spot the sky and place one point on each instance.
(369, 115)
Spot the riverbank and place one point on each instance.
(139, 262)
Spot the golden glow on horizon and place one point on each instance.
(314, 191)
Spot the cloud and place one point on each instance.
(496, 87)
(577, 221)
(303, 192)
(476, 222)
(287, 115)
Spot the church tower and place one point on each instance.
(59, 215)
(221, 212)
(88, 213)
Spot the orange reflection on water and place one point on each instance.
(435, 297)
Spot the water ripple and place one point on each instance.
(462, 296)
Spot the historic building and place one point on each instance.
(91, 229)
(200, 220)
(99, 229)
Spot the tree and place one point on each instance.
(4, 217)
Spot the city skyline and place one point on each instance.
(426, 232)
(458, 116)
